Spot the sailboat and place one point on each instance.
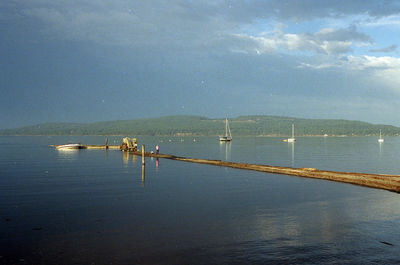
(292, 139)
(227, 137)
(380, 140)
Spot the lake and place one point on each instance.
(103, 207)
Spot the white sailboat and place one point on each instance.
(380, 140)
(292, 139)
(227, 137)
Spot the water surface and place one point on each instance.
(103, 207)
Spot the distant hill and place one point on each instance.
(256, 125)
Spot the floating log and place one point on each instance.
(86, 146)
(102, 147)
(378, 181)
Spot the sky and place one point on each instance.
(88, 60)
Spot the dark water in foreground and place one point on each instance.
(98, 207)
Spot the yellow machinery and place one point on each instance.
(129, 144)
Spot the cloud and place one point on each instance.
(348, 34)
(183, 24)
(326, 41)
(305, 10)
(168, 47)
(371, 62)
(391, 20)
(385, 69)
(382, 71)
(318, 66)
(243, 43)
(389, 49)
(122, 23)
(359, 63)
(112, 26)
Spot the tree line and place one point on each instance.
(256, 125)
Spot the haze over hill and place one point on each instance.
(256, 125)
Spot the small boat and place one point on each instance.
(227, 137)
(292, 139)
(70, 146)
(380, 140)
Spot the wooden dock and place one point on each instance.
(377, 181)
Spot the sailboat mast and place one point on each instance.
(229, 130)
(226, 138)
(380, 140)
(226, 127)
(292, 130)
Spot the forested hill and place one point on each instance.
(196, 125)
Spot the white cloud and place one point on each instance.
(392, 21)
(258, 44)
(374, 63)
(318, 66)
(326, 41)
(192, 24)
(386, 69)
(383, 70)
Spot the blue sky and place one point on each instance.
(86, 61)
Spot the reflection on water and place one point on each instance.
(197, 214)
(130, 158)
(225, 149)
(291, 150)
(126, 156)
(143, 174)
(68, 154)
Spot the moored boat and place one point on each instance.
(228, 136)
(70, 146)
(380, 140)
(292, 139)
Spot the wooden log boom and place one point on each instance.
(378, 181)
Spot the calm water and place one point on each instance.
(102, 207)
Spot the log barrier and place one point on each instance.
(377, 181)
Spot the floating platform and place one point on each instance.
(377, 181)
